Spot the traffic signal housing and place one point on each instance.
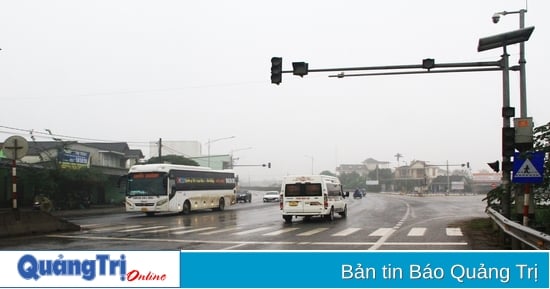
(495, 166)
(276, 70)
(300, 68)
(508, 141)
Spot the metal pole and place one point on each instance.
(523, 108)
(14, 182)
(208, 152)
(448, 179)
(160, 150)
(311, 157)
(522, 76)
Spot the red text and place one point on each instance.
(135, 275)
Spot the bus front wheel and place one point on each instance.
(186, 208)
(222, 204)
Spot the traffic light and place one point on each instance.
(276, 70)
(268, 165)
(495, 166)
(428, 63)
(300, 68)
(508, 141)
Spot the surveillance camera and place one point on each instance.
(496, 18)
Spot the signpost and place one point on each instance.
(528, 168)
(15, 147)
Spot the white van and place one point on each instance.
(312, 195)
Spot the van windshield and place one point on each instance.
(299, 190)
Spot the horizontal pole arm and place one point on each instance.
(342, 75)
(410, 66)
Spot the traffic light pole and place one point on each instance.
(268, 165)
(507, 112)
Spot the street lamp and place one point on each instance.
(236, 150)
(522, 76)
(209, 143)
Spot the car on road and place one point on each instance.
(271, 196)
(357, 194)
(244, 196)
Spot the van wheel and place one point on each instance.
(186, 208)
(330, 215)
(345, 212)
(288, 218)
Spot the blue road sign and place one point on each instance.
(528, 168)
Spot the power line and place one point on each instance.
(48, 134)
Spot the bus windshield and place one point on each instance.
(301, 190)
(146, 184)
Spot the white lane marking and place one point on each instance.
(116, 228)
(383, 239)
(346, 232)
(220, 231)
(234, 246)
(147, 230)
(243, 243)
(142, 229)
(251, 231)
(312, 232)
(89, 226)
(192, 230)
(453, 231)
(416, 232)
(381, 232)
(279, 232)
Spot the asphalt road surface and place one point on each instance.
(375, 222)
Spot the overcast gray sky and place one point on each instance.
(136, 71)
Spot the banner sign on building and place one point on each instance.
(71, 159)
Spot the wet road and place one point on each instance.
(376, 222)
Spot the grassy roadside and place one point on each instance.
(481, 234)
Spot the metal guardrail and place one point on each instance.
(537, 240)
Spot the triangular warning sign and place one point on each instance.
(527, 170)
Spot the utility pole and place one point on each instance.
(160, 150)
